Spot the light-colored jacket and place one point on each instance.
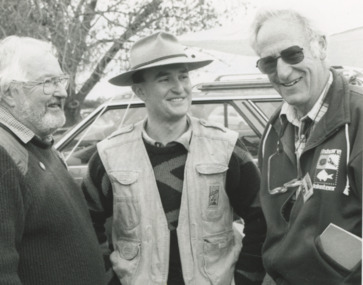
(207, 244)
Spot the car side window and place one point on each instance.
(84, 144)
(268, 107)
(227, 115)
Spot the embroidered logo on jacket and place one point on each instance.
(327, 168)
(213, 195)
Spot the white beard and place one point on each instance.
(44, 123)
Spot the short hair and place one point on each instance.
(12, 50)
(312, 32)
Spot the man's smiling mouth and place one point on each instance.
(292, 83)
(179, 99)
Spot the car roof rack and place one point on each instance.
(235, 81)
(241, 76)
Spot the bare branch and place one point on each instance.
(89, 34)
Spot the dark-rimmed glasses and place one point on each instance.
(291, 55)
(49, 84)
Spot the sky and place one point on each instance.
(333, 16)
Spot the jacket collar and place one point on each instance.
(337, 115)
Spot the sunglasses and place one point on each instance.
(291, 55)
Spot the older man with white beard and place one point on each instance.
(46, 236)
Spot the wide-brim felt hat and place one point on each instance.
(155, 50)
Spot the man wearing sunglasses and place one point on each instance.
(310, 157)
(46, 235)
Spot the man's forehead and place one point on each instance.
(277, 34)
(41, 65)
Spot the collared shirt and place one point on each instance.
(303, 126)
(21, 131)
(184, 139)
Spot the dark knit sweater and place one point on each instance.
(46, 236)
(242, 184)
(169, 164)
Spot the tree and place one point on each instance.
(89, 34)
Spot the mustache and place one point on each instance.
(57, 102)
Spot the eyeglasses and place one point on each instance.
(291, 55)
(49, 84)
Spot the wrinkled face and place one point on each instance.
(299, 84)
(41, 113)
(166, 91)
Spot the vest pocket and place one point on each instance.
(126, 208)
(212, 190)
(125, 213)
(219, 253)
(126, 259)
(124, 182)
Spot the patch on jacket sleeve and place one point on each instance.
(327, 169)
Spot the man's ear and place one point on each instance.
(8, 97)
(323, 45)
(139, 91)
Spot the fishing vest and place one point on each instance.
(140, 235)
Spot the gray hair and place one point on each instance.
(312, 33)
(12, 50)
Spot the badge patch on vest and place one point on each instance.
(327, 168)
(213, 196)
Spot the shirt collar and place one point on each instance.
(9, 121)
(184, 139)
(315, 114)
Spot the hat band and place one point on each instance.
(158, 59)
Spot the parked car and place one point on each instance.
(243, 104)
(240, 102)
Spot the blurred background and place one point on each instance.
(92, 37)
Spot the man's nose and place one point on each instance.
(178, 86)
(60, 91)
(283, 69)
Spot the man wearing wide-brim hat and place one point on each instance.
(172, 183)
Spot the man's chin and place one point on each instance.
(51, 123)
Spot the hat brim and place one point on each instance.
(125, 79)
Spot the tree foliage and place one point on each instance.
(89, 34)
